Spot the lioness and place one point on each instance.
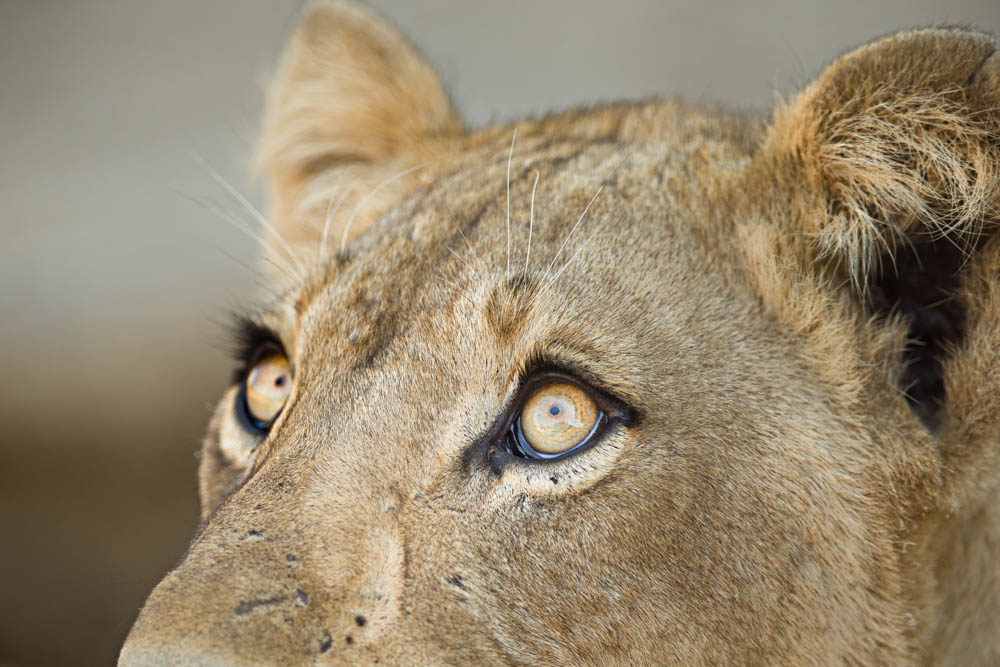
(639, 384)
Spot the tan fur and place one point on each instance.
(777, 501)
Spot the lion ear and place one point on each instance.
(351, 93)
(891, 162)
(900, 140)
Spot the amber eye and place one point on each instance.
(555, 420)
(266, 390)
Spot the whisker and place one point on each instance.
(460, 258)
(255, 271)
(455, 287)
(285, 268)
(583, 245)
(330, 213)
(354, 214)
(258, 216)
(329, 205)
(568, 236)
(468, 243)
(531, 225)
(509, 157)
(334, 188)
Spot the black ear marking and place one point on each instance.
(921, 283)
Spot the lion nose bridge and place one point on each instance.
(226, 595)
(282, 566)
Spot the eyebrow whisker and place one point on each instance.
(531, 224)
(568, 236)
(277, 261)
(555, 278)
(257, 215)
(360, 205)
(330, 213)
(460, 258)
(509, 158)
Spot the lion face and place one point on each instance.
(600, 388)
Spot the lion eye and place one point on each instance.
(555, 420)
(266, 390)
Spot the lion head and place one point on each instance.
(637, 384)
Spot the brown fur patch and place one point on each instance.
(507, 309)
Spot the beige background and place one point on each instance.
(115, 275)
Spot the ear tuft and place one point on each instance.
(901, 138)
(351, 89)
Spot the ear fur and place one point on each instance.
(351, 95)
(891, 162)
(901, 140)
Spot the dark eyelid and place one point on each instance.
(541, 366)
(541, 362)
(249, 338)
(610, 405)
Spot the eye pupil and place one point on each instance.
(280, 382)
(554, 410)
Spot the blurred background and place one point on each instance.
(116, 277)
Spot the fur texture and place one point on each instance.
(754, 291)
